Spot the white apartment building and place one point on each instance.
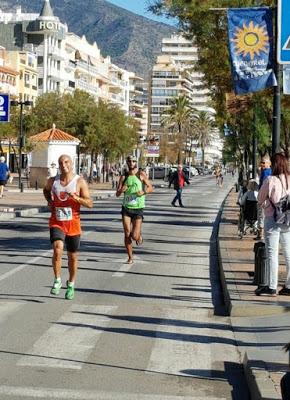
(65, 61)
(172, 76)
(85, 68)
(184, 55)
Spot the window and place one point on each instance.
(30, 61)
(162, 92)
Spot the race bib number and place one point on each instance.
(131, 199)
(63, 213)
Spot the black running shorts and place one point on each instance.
(72, 242)
(136, 213)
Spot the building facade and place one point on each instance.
(173, 76)
(8, 75)
(44, 57)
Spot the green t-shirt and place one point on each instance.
(131, 200)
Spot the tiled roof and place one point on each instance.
(8, 70)
(53, 135)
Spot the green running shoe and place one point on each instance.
(56, 287)
(70, 291)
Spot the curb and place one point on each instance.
(260, 382)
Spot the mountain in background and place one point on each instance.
(132, 41)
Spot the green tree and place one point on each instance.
(203, 124)
(177, 119)
(49, 109)
(205, 23)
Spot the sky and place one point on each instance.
(139, 7)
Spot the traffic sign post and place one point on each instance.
(283, 39)
(4, 107)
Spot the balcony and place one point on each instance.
(55, 74)
(80, 84)
(117, 98)
(56, 53)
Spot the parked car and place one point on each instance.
(189, 171)
(203, 170)
(192, 171)
(158, 172)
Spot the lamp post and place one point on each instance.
(21, 134)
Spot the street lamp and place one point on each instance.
(21, 135)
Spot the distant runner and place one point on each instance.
(135, 185)
(65, 194)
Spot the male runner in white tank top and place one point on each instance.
(65, 194)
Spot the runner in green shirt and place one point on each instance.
(135, 185)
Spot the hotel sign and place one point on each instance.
(49, 26)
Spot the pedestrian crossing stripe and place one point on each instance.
(66, 344)
(69, 394)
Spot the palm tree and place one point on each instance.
(203, 124)
(177, 118)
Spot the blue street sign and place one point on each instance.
(283, 44)
(4, 107)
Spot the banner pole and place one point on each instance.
(276, 127)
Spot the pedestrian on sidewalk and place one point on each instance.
(265, 171)
(65, 194)
(135, 185)
(178, 178)
(251, 194)
(4, 175)
(273, 189)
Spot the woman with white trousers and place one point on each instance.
(273, 189)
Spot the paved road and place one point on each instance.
(152, 330)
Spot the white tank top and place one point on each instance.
(60, 191)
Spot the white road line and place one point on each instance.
(22, 266)
(176, 350)
(126, 267)
(68, 394)
(121, 272)
(69, 341)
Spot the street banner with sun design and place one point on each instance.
(251, 49)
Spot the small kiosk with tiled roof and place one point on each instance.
(48, 147)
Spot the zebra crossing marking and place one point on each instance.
(69, 394)
(173, 355)
(126, 267)
(69, 341)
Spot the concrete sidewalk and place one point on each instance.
(261, 324)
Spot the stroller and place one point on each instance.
(248, 218)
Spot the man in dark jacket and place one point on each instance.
(178, 178)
